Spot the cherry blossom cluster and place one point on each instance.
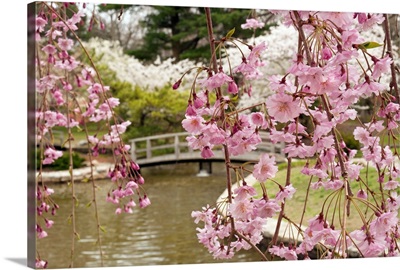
(246, 217)
(333, 67)
(70, 94)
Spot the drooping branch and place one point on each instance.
(219, 95)
(393, 82)
(326, 106)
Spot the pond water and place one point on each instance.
(163, 233)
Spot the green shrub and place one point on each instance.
(350, 141)
(62, 163)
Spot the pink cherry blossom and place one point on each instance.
(241, 209)
(369, 87)
(340, 19)
(316, 185)
(214, 134)
(372, 151)
(132, 184)
(206, 152)
(393, 202)
(281, 85)
(252, 24)
(384, 222)
(232, 88)
(40, 24)
(258, 119)
(40, 264)
(244, 192)
(204, 215)
(299, 150)
(48, 191)
(369, 245)
(65, 43)
(362, 194)
(321, 174)
(68, 65)
(369, 20)
(326, 53)
(49, 223)
(249, 70)
(255, 56)
(283, 107)
(285, 193)
(282, 136)
(42, 234)
(315, 224)
(266, 209)
(216, 81)
(362, 135)
(51, 155)
(49, 49)
(265, 168)
(391, 185)
(193, 124)
(144, 202)
(333, 184)
(284, 252)
(350, 37)
(328, 236)
(242, 142)
(381, 66)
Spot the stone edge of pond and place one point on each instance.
(100, 171)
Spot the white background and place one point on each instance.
(13, 87)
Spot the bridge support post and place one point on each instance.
(205, 169)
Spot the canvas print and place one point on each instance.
(165, 135)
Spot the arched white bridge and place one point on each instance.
(173, 148)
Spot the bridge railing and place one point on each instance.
(267, 146)
(175, 144)
(148, 147)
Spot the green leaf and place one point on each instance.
(89, 204)
(65, 142)
(370, 45)
(230, 33)
(234, 98)
(103, 229)
(85, 180)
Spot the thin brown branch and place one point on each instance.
(393, 82)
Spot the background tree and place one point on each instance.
(150, 112)
(179, 32)
(117, 22)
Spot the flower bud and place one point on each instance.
(176, 85)
(232, 88)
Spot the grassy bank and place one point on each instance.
(330, 202)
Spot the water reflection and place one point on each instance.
(163, 233)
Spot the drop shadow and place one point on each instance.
(21, 261)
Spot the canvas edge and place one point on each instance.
(31, 149)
